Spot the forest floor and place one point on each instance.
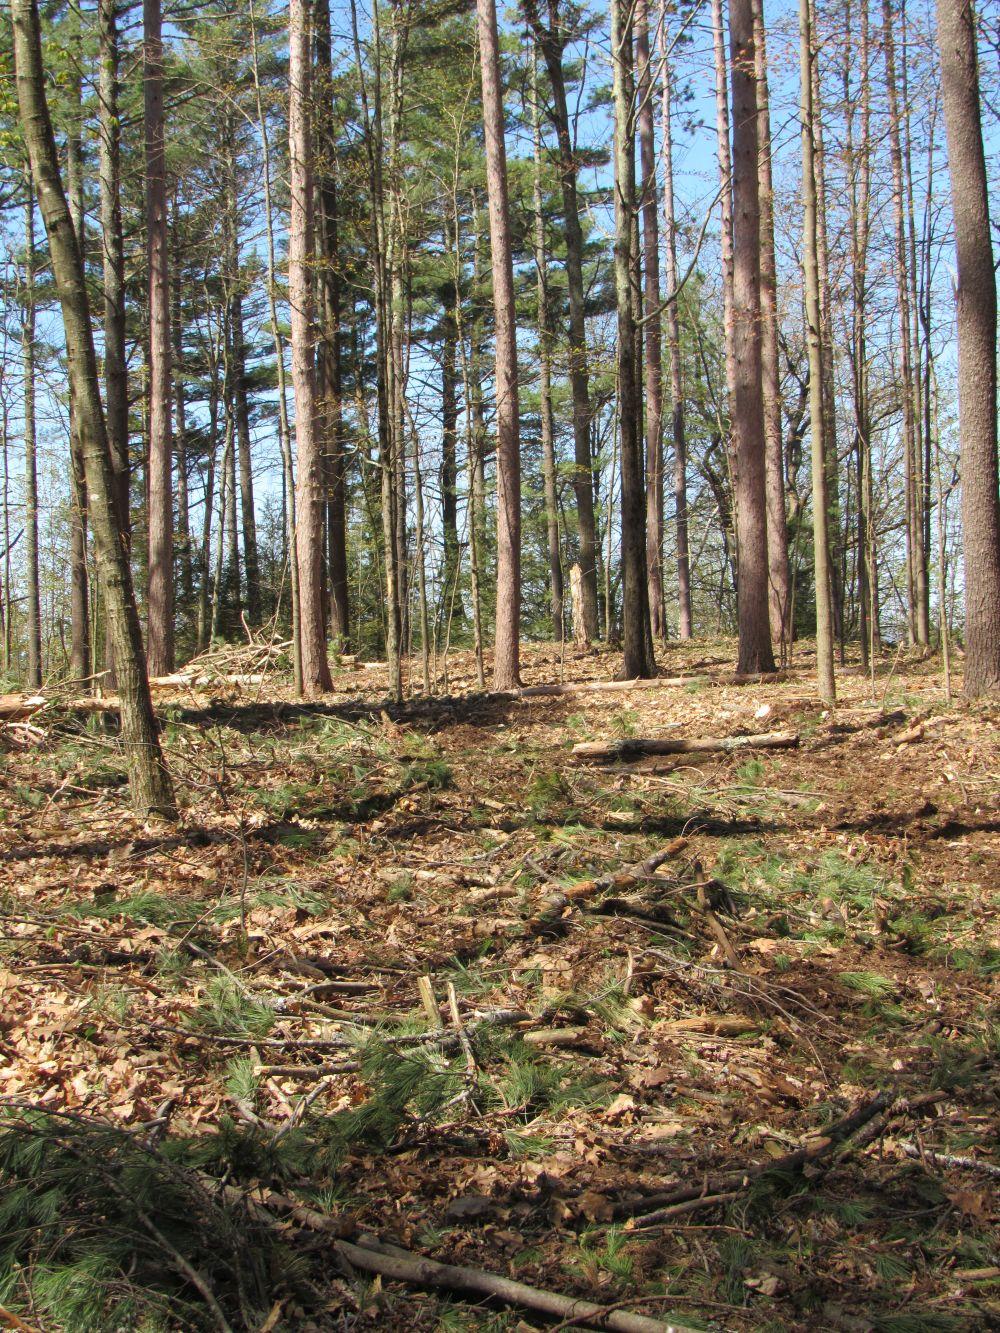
(375, 975)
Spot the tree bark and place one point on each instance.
(160, 506)
(546, 341)
(149, 782)
(651, 327)
(814, 336)
(722, 132)
(284, 432)
(778, 581)
(182, 543)
(684, 625)
(506, 669)
(79, 658)
(301, 254)
(914, 528)
(976, 311)
(329, 370)
(834, 533)
(113, 259)
(551, 42)
(755, 653)
(241, 408)
(859, 172)
(637, 638)
(449, 451)
(34, 607)
(206, 591)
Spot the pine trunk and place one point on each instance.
(651, 328)
(301, 255)
(684, 626)
(814, 336)
(160, 503)
(755, 653)
(34, 608)
(977, 344)
(506, 669)
(330, 388)
(778, 582)
(79, 598)
(113, 257)
(149, 782)
(636, 637)
(545, 347)
(914, 555)
(449, 453)
(551, 42)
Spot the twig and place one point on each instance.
(11, 1320)
(463, 1036)
(918, 1151)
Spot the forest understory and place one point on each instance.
(705, 1039)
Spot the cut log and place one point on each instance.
(185, 680)
(641, 683)
(17, 707)
(633, 746)
(597, 686)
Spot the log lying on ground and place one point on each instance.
(632, 746)
(643, 683)
(391, 1261)
(17, 707)
(188, 680)
(596, 686)
(403, 1266)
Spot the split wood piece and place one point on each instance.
(403, 1266)
(463, 1036)
(626, 878)
(811, 1150)
(711, 1025)
(718, 930)
(555, 1036)
(430, 1004)
(629, 747)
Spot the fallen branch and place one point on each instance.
(879, 1109)
(626, 878)
(630, 746)
(10, 1320)
(373, 1257)
(939, 1159)
(391, 1261)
